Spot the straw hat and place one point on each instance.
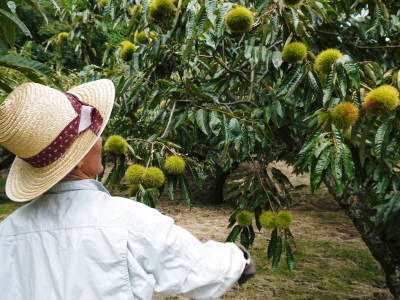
(33, 116)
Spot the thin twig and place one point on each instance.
(151, 156)
(152, 143)
(200, 55)
(225, 113)
(376, 47)
(219, 110)
(239, 102)
(225, 66)
(251, 79)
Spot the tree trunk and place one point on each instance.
(217, 187)
(385, 251)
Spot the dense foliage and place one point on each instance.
(314, 83)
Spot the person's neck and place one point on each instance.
(76, 175)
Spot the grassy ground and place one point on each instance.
(331, 260)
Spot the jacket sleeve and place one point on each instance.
(179, 262)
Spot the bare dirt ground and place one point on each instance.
(332, 262)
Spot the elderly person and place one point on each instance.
(74, 240)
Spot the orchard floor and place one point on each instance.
(332, 261)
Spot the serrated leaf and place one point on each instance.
(319, 167)
(342, 80)
(330, 84)
(210, 7)
(348, 163)
(314, 83)
(321, 147)
(353, 73)
(292, 81)
(336, 160)
(296, 80)
(381, 137)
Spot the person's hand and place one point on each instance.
(250, 268)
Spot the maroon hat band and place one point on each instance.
(88, 118)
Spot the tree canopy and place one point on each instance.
(311, 82)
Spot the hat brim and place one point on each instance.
(25, 182)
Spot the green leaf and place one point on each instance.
(201, 19)
(321, 147)
(354, 73)
(219, 23)
(342, 80)
(234, 129)
(319, 167)
(296, 80)
(5, 87)
(3, 47)
(232, 218)
(314, 83)
(202, 120)
(117, 172)
(215, 123)
(337, 161)
(295, 19)
(289, 256)
(252, 235)
(348, 163)
(277, 253)
(362, 148)
(277, 59)
(267, 113)
(171, 187)
(185, 191)
(37, 7)
(292, 81)
(381, 137)
(25, 66)
(234, 234)
(330, 84)
(190, 34)
(210, 7)
(245, 237)
(272, 243)
(16, 21)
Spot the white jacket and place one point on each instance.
(76, 242)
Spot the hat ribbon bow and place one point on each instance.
(88, 118)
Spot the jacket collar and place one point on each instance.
(75, 185)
